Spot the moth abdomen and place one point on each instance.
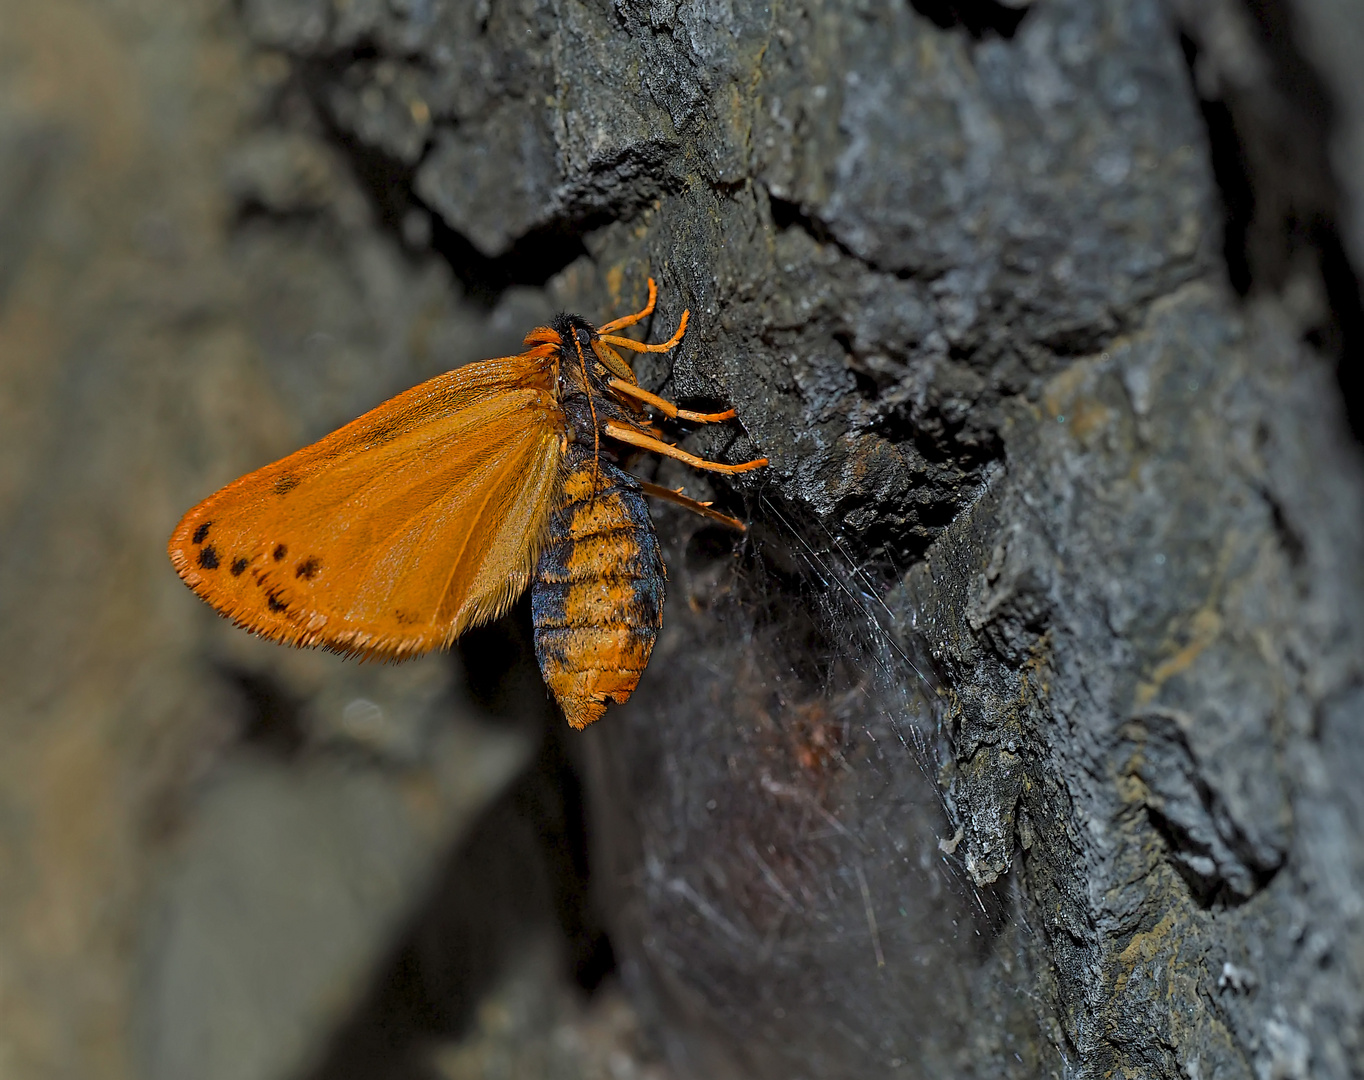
(597, 595)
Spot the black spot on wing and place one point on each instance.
(238, 566)
(280, 552)
(275, 605)
(286, 484)
(308, 568)
(208, 558)
(201, 532)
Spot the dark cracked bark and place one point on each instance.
(1018, 738)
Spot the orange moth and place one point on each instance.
(432, 513)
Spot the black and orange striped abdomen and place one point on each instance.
(597, 594)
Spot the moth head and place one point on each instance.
(582, 344)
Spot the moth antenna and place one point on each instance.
(592, 408)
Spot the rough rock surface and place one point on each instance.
(1019, 736)
(959, 270)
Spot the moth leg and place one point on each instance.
(639, 346)
(695, 507)
(622, 433)
(666, 407)
(630, 320)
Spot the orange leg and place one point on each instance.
(639, 346)
(666, 407)
(695, 507)
(630, 320)
(613, 360)
(620, 432)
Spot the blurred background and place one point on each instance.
(223, 858)
(1016, 739)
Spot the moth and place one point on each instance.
(433, 512)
